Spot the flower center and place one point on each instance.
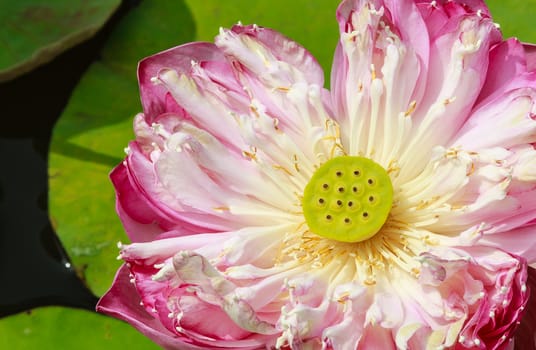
(348, 199)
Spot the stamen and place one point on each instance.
(296, 165)
(280, 167)
(411, 108)
(251, 155)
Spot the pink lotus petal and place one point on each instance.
(122, 301)
(508, 60)
(154, 97)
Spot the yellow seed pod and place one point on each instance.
(348, 199)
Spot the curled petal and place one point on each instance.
(154, 97)
(496, 303)
(122, 301)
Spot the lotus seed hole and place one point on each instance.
(347, 220)
(339, 202)
(357, 173)
(350, 203)
(354, 189)
(341, 189)
(328, 217)
(370, 181)
(371, 199)
(365, 215)
(321, 201)
(338, 173)
(325, 186)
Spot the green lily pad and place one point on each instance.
(35, 31)
(515, 17)
(63, 328)
(310, 23)
(89, 138)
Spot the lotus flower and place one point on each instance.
(395, 211)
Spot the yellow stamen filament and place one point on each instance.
(396, 245)
(251, 155)
(296, 165)
(411, 109)
(280, 167)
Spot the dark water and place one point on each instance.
(34, 268)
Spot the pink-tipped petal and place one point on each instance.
(122, 301)
(530, 56)
(154, 97)
(507, 60)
